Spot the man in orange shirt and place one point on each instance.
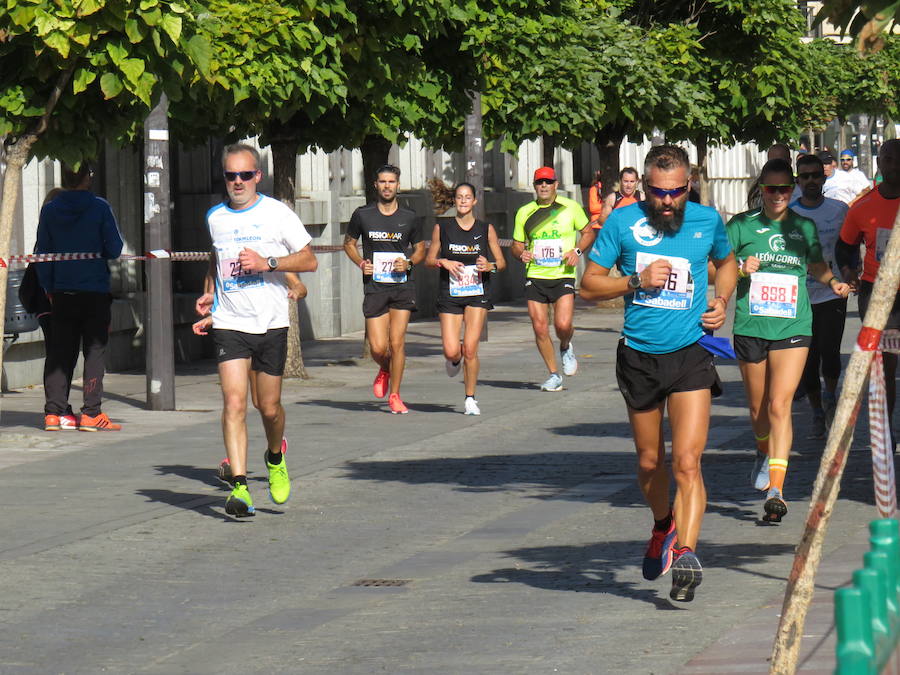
(870, 221)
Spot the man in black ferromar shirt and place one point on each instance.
(388, 231)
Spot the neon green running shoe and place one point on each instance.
(279, 482)
(239, 503)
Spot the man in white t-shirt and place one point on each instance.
(256, 240)
(857, 183)
(838, 184)
(828, 309)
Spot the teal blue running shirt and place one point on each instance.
(667, 320)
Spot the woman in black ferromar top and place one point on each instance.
(467, 252)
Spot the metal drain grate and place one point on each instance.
(382, 582)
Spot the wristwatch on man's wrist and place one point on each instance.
(634, 281)
(272, 262)
(578, 251)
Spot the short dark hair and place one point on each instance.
(72, 178)
(235, 148)
(776, 166)
(809, 159)
(887, 144)
(666, 157)
(628, 169)
(387, 168)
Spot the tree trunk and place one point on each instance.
(375, 151)
(703, 164)
(16, 156)
(865, 144)
(608, 143)
(284, 159)
(548, 150)
(842, 135)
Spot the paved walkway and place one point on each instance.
(430, 542)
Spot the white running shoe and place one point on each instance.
(569, 362)
(759, 476)
(453, 368)
(472, 406)
(553, 383)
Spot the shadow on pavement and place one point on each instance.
(508, 384)
(200, 474)
(201, 503)
(594, 568)
(17, 418)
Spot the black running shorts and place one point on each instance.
(548, 291)
(447, 305)
(646, 380)
(267, 351)
(380, 302)
(753, 350)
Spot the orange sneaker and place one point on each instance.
(60, 423)
(396, 405)
(380, 385)
(99, 423)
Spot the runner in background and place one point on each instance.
(829, 311)
(388, 232)
(870, 220)
(595, 199)
(467, 253)
(626, 195)
(549, 236)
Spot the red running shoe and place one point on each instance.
(380, 385)
(396, 404)
(658, 558)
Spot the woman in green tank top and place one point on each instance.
(776, 248)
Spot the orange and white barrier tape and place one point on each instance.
(177, 256)
(881, 442)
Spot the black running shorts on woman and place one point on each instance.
(646, 380)
(267, 351)
(754, 350)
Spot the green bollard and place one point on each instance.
(855, 649)
(881, 562)
(874, 585)
(884, 535)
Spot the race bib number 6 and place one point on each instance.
(773, 295)
(676, 293)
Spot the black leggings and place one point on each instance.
(825, 350)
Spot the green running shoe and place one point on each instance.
(239, 503)
(279, 482)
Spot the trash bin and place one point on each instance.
(17, 319)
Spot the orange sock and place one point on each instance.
(762, 444)
(777, 472)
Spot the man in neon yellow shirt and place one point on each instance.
(549, 236)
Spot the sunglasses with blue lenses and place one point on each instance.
(674, 193)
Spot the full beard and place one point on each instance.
(666, 224)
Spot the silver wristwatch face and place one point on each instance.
(634, 281)
(272, 262)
